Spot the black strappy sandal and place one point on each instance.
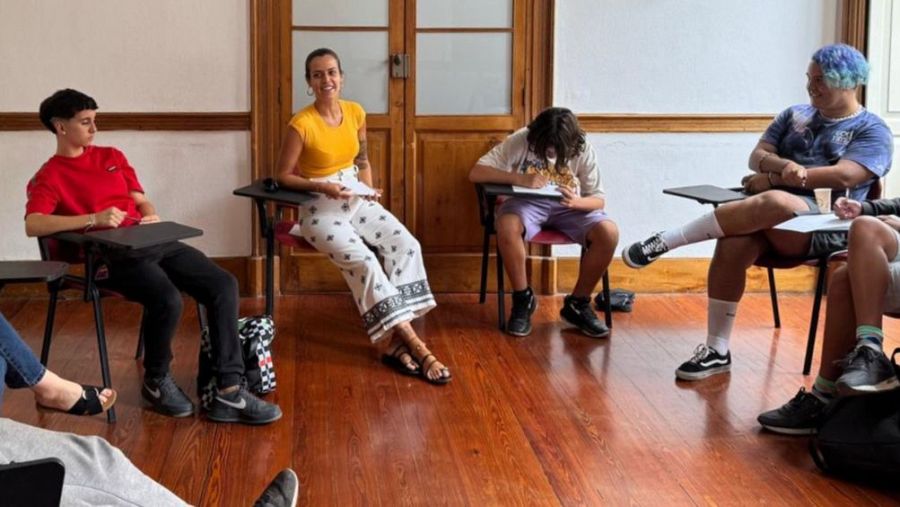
(394, 361)
(445, 372)
(89, 403)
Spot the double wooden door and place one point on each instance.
(441, 82)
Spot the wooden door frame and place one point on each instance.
(270, 99)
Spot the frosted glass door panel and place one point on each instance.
(364, 58)
(464, 14)
(463, 73)
(340, 13)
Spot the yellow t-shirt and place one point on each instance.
(326, 149)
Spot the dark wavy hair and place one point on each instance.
(322, 52)
(64, 104)
(557, 128)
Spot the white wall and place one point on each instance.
(135, 56)
(883, 92)
(681, 57)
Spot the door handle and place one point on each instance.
(400, 65)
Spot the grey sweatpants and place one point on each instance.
(96, 472)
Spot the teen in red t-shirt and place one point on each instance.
(84, 187)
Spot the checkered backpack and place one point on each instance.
(256, 334)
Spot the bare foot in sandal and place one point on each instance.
(57, 393)
(432, 370)
(399, 358)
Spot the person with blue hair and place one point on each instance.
(831, 142)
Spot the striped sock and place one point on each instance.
(870, 336)
(824, 389)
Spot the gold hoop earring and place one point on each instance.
(309, 91)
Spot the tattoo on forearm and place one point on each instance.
(363, 155)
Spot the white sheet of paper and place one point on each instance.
(358, 187)
(550, 190)
(810, 223)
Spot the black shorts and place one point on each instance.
(826, 242)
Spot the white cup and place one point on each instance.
(823, 199)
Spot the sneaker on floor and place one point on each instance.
(705, 363)
(166, 397)
(866, 371)
(642, 253)
(243, 407)
(578, 312)
(281, 492)
(523, 305)
(800, 416)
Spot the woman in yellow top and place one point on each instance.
(325, 152)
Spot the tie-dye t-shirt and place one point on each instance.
(513, 155)
(800, 133)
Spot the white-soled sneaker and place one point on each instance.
(705, 363)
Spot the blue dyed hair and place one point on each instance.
(842, 66)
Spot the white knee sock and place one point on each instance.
(697, 230)
(720, 321)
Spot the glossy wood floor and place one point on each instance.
(553, 419)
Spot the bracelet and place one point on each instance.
(759, 166)
(92, 220)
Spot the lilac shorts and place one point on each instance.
(540, 213)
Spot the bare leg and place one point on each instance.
(759, 212)
(602, 238)
(840, 324)
(512, 247)
(872, 245)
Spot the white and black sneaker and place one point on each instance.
(705, 363)
(243, 407)
(866, 371)
(166, 397)
(642, 253)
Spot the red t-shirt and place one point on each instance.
(89, 183)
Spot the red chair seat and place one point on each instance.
(551, 237)
(283, 235)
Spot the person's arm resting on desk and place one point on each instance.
(39, 224)
(145, 208)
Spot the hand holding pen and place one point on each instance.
(847, 208)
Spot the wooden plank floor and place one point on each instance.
(553, 419)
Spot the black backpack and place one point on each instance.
(860, 436)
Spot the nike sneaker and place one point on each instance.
(166, 397)
(642, 253)
(243, 407)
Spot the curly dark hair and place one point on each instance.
(557, 128)
(64, 104)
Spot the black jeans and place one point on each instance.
(155, 277)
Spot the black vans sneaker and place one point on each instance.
(705, 363)
(166, 397)
(243, 407)
(800, 416)
(577, 312)
(281, 492)
(866, 371)
(642, 253)
(523, 305)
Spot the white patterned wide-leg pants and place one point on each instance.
(387, 293)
